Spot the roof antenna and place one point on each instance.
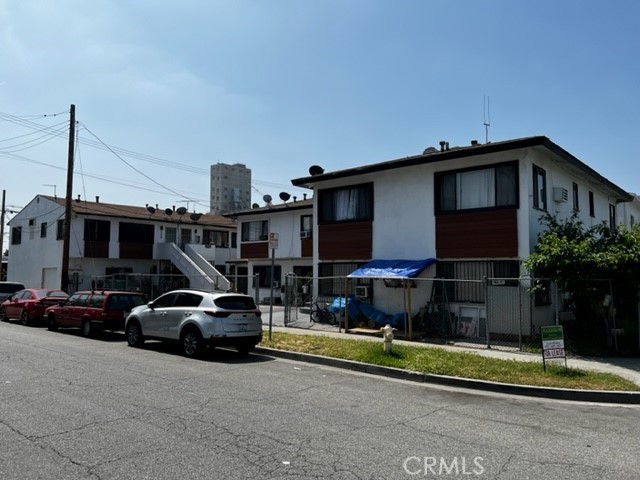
(486, 114)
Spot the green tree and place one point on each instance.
(588, 264)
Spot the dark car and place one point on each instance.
(9, 288)
(93, 310)
(29, 304)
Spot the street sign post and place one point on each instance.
(552, 344)
(273, 245)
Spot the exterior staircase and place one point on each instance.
(202, 275)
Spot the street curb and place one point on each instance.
(598, 396)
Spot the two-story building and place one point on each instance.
(107, 239)
(275, 234)
(476, 209)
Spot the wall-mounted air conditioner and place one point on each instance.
(560, 194)
(305, 234)
(362, 291)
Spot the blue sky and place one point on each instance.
(280, 85)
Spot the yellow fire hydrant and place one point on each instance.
(387, 336)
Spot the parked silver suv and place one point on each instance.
(196, 319)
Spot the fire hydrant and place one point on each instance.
(387, 336)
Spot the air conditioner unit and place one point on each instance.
(362, 292)
(305, 234)
(560, 194)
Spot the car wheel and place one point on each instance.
(134, 334)
(245, 348)
(24, 318)
(51, 323)
(87, 329)
(3, 317)
(331, 318)
(191, 341)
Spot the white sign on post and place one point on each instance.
(273, 241)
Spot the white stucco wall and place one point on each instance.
(34, 261)
(558, 174)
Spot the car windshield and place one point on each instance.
(235, 303)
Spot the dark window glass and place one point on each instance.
(43, 229)
(97, 230)
(350, 204)
(165, 301)
(612, 217)
(235, 303)
(16, 235)
(475, 188)
(257, 231)
(576, 202)
(592, 207)
(135, 233)
(60, 230)
(265, 275)
(539, 188)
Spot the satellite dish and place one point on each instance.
(195, 216)
(267, 198)
(316, 170)
(255, 205)
(181, 211)
(168, 211)
(284, 196)
(150, 209)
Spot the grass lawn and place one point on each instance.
(438, 361)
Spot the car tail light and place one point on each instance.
(217, 314)
(258, 313)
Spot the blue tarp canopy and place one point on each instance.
(392, 268)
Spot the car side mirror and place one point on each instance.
(151, 305)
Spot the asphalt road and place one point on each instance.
(76, 408)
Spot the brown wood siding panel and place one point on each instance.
(487, 234)
(345, 241)
(136, 250)
(96, 249)
(254, 250)
(306, 247)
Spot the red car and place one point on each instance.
(28, 305)
(93, 311)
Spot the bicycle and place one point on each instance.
(322, 314)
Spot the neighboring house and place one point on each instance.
(292, 223)
(476, 209)
(118, 239)
(628, 213)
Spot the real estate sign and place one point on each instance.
(552, 343)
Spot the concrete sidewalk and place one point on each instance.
(628, 368)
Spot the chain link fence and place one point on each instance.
(154, 285)
(498, 313)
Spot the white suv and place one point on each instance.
(196, 319)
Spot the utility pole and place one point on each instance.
(4, 192)
(64, 278)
